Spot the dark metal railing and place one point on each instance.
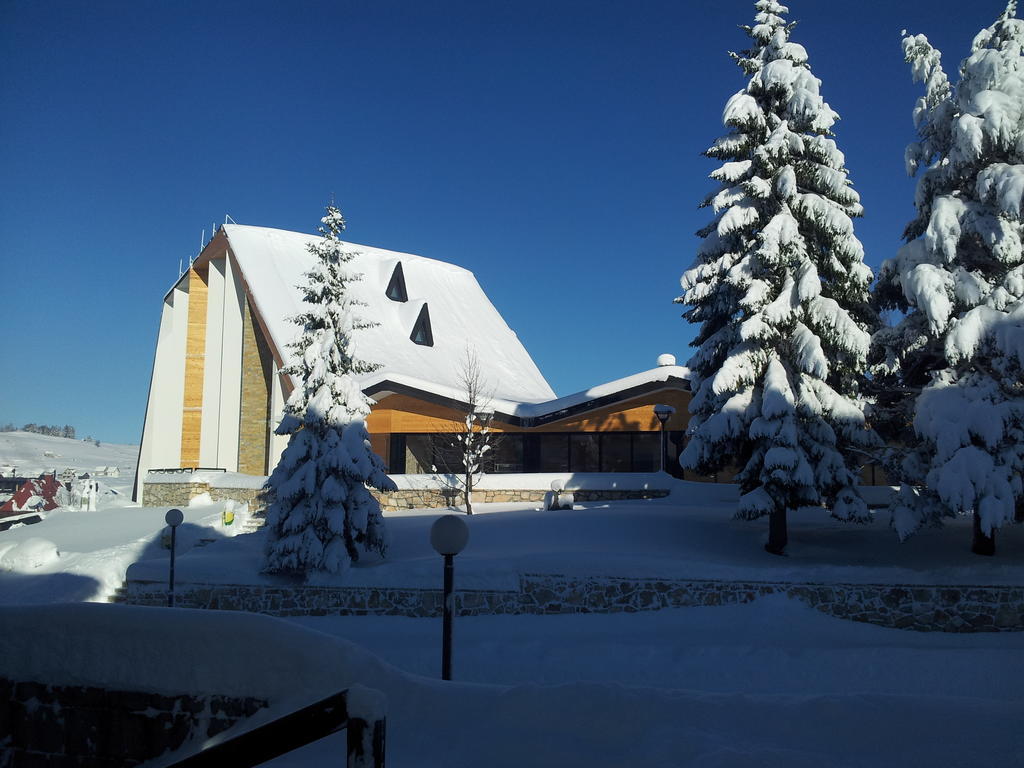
(365, 730)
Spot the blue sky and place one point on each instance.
(551, 147)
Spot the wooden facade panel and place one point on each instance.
(195, 362)
(191, 424)
(403, 414)
(636, 415)
(380, 445)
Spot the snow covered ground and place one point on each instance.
(691, 534)
(771, 683)
(86, 555)
(72, 556)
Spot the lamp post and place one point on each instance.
(173, 518)
(664, 413)
(448, 535)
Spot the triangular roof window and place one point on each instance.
(396, 288)
(421, 333)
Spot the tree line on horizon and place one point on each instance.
(42, 429)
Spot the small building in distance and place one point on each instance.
(217, 390)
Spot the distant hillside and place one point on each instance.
(32, 454)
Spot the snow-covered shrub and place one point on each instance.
(954, 362)
(780, 290)
(322, 511)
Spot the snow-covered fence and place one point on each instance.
(95, 684)
(358, 711)
(78, 725)
(946, 608)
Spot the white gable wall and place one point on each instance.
(224, 418)
(277, 442)
(161, 439)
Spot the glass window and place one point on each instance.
(554, 453)
(646, 451)
(584, 452)
(421, 331)
(396, 288)
(507, 453)
(447, 453)
(615, 452)
(418, 454)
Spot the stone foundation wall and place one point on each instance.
(172, 494)
(180, 494)
(57, 726)
(924, 608)
(251, 496)
(432, 498)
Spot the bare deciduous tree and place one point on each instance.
(464, 452)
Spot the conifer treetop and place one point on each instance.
(779, 288)
(322, 512)
(959, 281)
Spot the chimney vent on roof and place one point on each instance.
(666, 359)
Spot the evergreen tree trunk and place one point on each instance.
(777, 532)
(982, 544)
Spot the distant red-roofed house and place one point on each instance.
(33, 495)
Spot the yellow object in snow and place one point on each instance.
(228, 517)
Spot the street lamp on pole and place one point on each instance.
(664, 413)
(173, 518)
(448, 536)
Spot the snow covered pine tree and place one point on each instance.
(321, 508)
(780, 289)
(956, 360)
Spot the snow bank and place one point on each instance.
(215, 479)
(28, 555)
(95, 550)
(177, 651)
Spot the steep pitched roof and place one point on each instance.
(273, 262)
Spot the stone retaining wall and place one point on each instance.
(924, 608)
(180, 494)
(57, 726)
(432, 498)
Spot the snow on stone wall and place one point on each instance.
(923, 608)
(165, 493)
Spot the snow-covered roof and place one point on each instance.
(613, 389)
(273, 262)
(556, 409)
